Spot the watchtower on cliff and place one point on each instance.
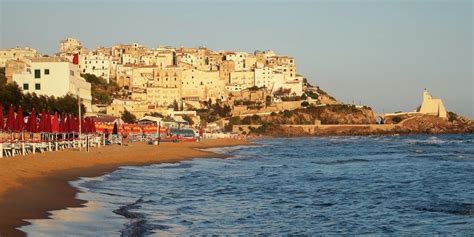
(432, 106)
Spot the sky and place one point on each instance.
(377, 53)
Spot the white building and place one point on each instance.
(238, 58)
(264, 77)
(96, 64)
(54, 76)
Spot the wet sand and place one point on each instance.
(32, 185)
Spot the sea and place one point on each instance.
(375, 185)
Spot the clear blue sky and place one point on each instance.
(380, 53)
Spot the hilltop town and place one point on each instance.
(218, 90)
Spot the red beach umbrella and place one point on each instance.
(47, 124)
(32, 126)
(76, 124)
(10, 124)
(1, 118)
(89, 127)
(85, 125)
(73, 123)
(92, 125)
(68, 123)
(55, 123)
(62, 125)
(42, 123)
(20, 122)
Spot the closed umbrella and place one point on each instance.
(76, 124)
(85, 125)
(69, 123)
(55, 123)
(93, 130)
(10, 124)
(47, 124)
(115, 129)
(62, 125)
(42, 122)
(32, 126)
(19, 122)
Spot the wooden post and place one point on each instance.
(34, 148)
(1, 150)
(23, 149)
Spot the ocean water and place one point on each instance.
(381, 185)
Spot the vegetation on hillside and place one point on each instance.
(128, 117)
(214, 112)
(102, 92)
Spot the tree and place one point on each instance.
(188, 119)
(268, 100)
(3, 78)
(12, 94)
(128, 117)
(175, 105)
(305, 104)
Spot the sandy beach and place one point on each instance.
(35, 184)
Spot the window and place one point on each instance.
(37, 73)
(37, 86)
(46, 71)
(71, 72)
(26, 86)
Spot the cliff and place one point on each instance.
(422, 124)
(330, 114)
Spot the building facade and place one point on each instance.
(53, 76)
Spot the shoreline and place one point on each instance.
(33, 185)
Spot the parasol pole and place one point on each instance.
(80, 118)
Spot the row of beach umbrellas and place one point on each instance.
(47, 123)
